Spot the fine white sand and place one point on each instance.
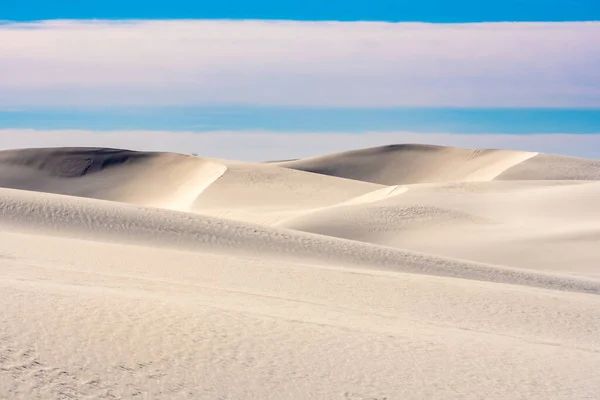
(399, 272)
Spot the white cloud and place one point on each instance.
(57, 63)
(262, 146)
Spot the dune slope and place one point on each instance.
(541, 225)
(552, 167)
(269, 194)
(48, 214)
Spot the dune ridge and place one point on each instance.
(78, 218)
(412, 163)
(165, 180)
(403, 271)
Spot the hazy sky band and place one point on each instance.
(263, 146)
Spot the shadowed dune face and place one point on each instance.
(71, 162)
(163, 180)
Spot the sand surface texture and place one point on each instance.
(397, 272)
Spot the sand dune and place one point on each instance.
(46, 214)
(410, 163)
(396, 272)
(520, 224)
(268, 194)
(552, 167)
(163, 180)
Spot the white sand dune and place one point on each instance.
(411, 163)
(402, 272)
(268, 194)
(551, 167)
(541, 225)
(163, 180)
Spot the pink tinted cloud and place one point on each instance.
(362, 64)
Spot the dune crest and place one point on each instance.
(165, 180)
(411, 163)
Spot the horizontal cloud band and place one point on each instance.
(367, 64)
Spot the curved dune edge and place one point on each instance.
(411, 164)
(535, 225)
(164, 180)
(267, 194)
(50, 214)
(364, 199)
(553, 167)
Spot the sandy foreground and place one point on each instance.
(398, 272)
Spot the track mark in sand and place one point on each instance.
(5, 256)
(148, 369)
(26, 372)
(356, 396)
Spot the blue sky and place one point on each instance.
(322, 120)
(395, 68)
(316, 10)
